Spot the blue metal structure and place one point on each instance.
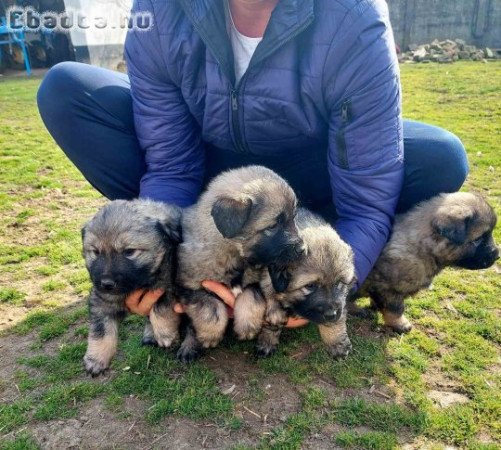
(11, 37)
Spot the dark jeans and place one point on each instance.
(88, 111)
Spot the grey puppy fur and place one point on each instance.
(314, 287)
(447, 230)
(244, 219)
(128, 245)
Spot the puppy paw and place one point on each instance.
(341, 348)
(94, 366)
(188, 355)
(149, 340)
(402, 328)
(399, 324)
(246, 332)
(209, 342)
(265, 350)
(165, 341)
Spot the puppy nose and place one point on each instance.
(108, 284)
(331, 316)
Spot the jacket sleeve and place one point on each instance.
(365, 131)
(167, 132)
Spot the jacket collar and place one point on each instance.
(289, 18)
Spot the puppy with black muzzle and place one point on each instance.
(449, 230)
(244, 220)
(129, 245)
(314, 287)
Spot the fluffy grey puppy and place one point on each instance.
(128, 245)
(244, 219)
(314, 287)
(448, 230)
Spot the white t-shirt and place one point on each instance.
(243, 47)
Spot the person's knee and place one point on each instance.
(58, 88)
(450, 162)
(442, 161)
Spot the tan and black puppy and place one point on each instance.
(314, 287)
(244, 219)
(129, 245)
(448, 230)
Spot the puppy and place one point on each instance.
(128, 245)
(314, 287)
(244, 219)
(448, 230)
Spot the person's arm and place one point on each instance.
(165, 128)
(365, 133)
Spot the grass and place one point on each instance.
(377, 398)
(373, 440)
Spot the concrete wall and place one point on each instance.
(99, 46)
(478, 22)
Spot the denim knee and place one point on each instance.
(449, 162)
(55, 94)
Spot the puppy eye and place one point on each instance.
(94, 251)
(131, 253)
(270, 230)
(309, 288)
(478, 241)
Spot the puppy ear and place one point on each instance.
(230, 215)
(280, 277)
(83, 231)
(169, 230)
(454, 223)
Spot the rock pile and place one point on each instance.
(444, 52)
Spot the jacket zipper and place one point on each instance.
(342, 151)
(235, 116)
(237, 133)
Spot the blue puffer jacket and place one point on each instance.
(324, 76)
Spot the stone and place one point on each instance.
(420, 54)
(445, 59)
(464, 55)
(470, 48)
(413, 47)
(460, 42)
(478, 56)
(445, 399)
(488, 53)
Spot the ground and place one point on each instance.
(437, 387)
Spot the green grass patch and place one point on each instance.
(11, 296)
(372, 440)
(22, 441)
(62, 401)
(378, 416)
(13, 415)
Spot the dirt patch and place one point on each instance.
(445, 399)
(11, 348)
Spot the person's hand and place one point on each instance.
(141, 301)
(225, 294)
